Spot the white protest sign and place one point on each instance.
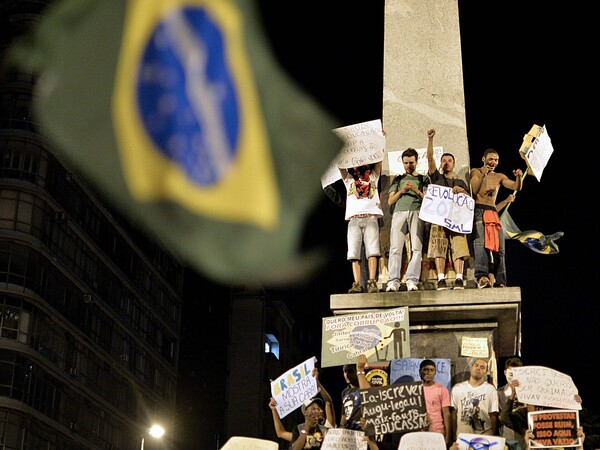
(247, 443)
(423, 440)
(538, 153)
(380, 336)
(470, 441)
(364, 143)
(293, 387)
(476, 347)
(395, 160)
(442, 207)
(331, 175)
(543, 386)
(343, 439)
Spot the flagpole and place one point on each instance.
(514, 193)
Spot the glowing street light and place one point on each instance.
(156, 431)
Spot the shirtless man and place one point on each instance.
(490, 267)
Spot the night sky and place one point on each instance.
(524, 63)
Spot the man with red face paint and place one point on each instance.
(488, 235)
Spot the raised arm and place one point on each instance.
(432, 166)
(329, 410)
(282, 433)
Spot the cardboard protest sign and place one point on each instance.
(293, 387)
(364, 143)
(443, 207)
(399, 408)
(554, 428)
(468, 441)
(543, 386)
(343, 439)
(246, 443)
(422, 440)
(407, 369)
(536, 149)
(380, 336)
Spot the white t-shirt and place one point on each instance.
(473, 407)
(362, 199)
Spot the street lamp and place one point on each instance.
(156, 431)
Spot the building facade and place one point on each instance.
(90, 309)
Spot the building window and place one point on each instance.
(271, 345)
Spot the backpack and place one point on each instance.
(397, 179)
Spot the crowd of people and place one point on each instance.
(409, 233)
(471, 407)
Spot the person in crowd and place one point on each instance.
(356, 379)
(475, 403)
(441, 239)
(405, 196)
(488, 236)
(503, 393)
(310, 433)
(514, 416)
(328, 419)
(363, 211)
(437, 401)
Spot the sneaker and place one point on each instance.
(392, 286)
(484, 282)
(459, 283)
(372, 287)
(356, 288)
(441, 285)
(411, 285)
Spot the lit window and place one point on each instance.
(271, 345)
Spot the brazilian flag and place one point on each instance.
(177, 112)
(533, 240)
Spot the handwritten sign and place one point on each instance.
(331, 175)
(407, 369)
(536, 150)
(543, 386)
(476, 347)
(399, 408)
(423, 440)
(380, 336)
(364, 143)
(343, 439)
(246, 443)
(554, 428)
(443, 207)
(395, 160)
(468, 441)
(293, 387)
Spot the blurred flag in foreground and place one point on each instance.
(176, 111)
(534, 240)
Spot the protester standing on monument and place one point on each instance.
(441, 239)
(405, 196)
(363, 211)
(488, 235)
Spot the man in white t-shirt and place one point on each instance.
(475, 403)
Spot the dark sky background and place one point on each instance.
(524, 63)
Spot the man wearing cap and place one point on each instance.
(437, 401)
(311, 433)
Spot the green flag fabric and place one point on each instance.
(177, 113)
